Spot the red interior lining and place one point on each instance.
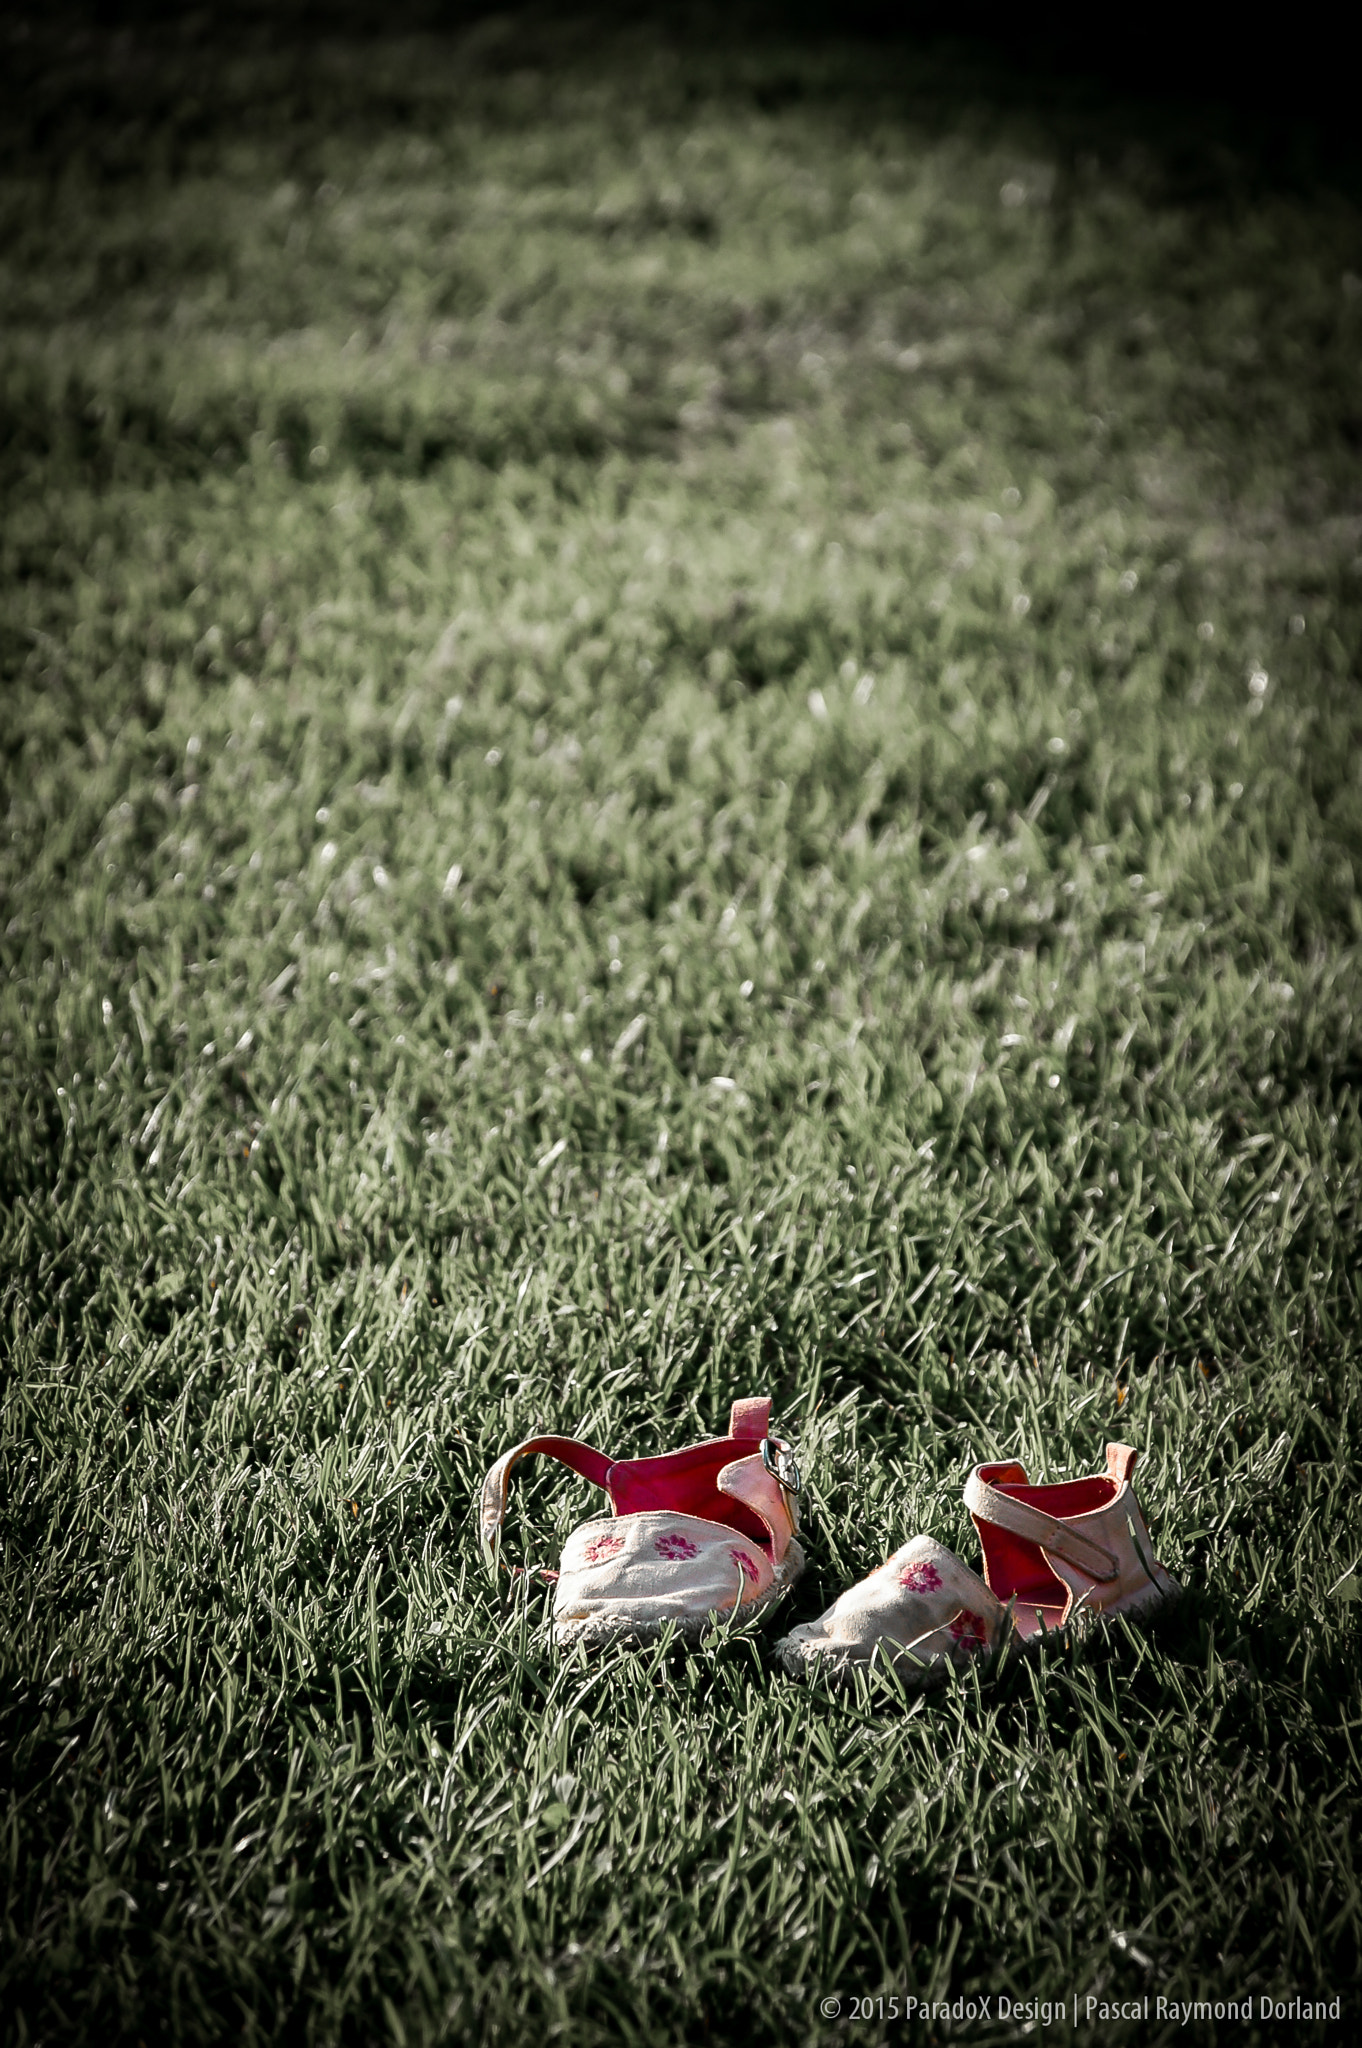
(1015, 1566)
(686, 1483)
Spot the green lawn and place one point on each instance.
(679, 718)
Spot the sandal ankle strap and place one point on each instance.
(768, 1493)
(580, 1458)
(987, 1504)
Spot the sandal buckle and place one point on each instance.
(780, 1462)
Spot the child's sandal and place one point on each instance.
(695, 1535)
(1054, 1556)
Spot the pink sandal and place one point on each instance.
(1054, 1556)
(695, 1534)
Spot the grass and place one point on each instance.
(680, 718)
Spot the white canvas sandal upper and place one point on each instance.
(924, 1607)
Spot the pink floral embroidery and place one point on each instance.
(674, 1544)
(601, 1547)
(746, 1566)
(969, 1631)
(920, 1578)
